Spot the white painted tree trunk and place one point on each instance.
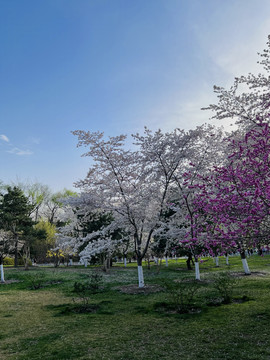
(166, 259)
(156, 260)
(197, 271)
(2, 273)
(245, 266)
(217, 260)
(85, 263)
(125, 261)
(70, 262)
(140, 275)
(227, 260)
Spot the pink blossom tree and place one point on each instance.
(235, 199)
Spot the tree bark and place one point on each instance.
(140, 273)
(189, 259)
(16, 253)
(197, 270)
(2, 270)
(244, 262)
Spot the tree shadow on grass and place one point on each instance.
(69, 309)
(81, 308)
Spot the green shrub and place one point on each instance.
(224, 283)
(95, 282)
(181, 293)
(36, 280)
(91, 286)
(8, 261)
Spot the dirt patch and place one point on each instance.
(253, 274)
(10, 282)
(134, 289)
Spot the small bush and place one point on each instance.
(36, 280)
(92, 286)
(224, 283)
(95, 282)
(8, 261)
(181, 293)
(21, 262)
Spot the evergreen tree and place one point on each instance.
(15, 217)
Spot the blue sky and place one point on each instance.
(113, 66)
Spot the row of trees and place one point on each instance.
(201, 191)
(198, 192)
(29, 216)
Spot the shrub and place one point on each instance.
(95, 282)
(224, 283)
(92, 286)
(8, 261)
(181, 293)
(36, 280)
(21, 262)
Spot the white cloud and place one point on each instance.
(4, 138)
(35, 140)
(20, 152)
(235, 53)
(226, 54)
(181, 112)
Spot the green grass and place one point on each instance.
(41, 323)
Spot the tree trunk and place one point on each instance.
(217, 261)
(125, 261)
(197, 270)
(26, 257)
(56, 261)
(105, 265)
(244, 262)
(16, 253)
(166, 259)
(189, 259)
(2, 270)
(140, 273)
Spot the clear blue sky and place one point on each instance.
(113, 66)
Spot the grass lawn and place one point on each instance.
(46, 323)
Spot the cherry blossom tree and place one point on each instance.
(206, 151)
(134, 184)
(247, 101)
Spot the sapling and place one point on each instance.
(181, 293)
(224, 283)
(85, 289)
